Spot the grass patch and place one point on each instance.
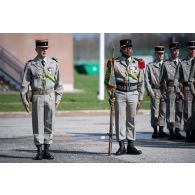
(85, 100)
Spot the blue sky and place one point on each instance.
(82, 35)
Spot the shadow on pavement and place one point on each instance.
(78, 152)
(143, 139)
(64, 152)
(9, 156)
(160, 143)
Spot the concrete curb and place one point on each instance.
(66, 113)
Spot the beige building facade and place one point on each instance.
(22, 47)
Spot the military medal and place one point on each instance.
(49, 69)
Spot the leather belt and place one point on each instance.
(43, 92)
(123, 90)
(126, 84)
(185, 84)
(126, 87)
(170, 83)
(155, 87)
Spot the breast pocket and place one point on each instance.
(37, 73)
(171, 74)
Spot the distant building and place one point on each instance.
(17, 48)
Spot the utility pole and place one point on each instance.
(101, 70)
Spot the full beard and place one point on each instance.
(126, 55)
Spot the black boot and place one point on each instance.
(46, 154)
(131, 148)
(192, 137)
(122, 149)
(171, 135)
(162, 133)
(39, 155)
(188, 136)
(178, 135)
(155, 133)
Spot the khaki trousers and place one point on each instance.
(158, 110)
(125, 112)
(43, 118)
(174, 109)
(187, 114)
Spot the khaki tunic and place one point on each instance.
(152, 84)
(132, 77)
(174, 104)
(191, 84)
(46, 89)
(182, 77)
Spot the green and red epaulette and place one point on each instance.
(141, 63)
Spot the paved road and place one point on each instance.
(82, 138)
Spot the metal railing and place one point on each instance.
(11, 68)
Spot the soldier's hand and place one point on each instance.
(181, 95)
(163, 97)
(178, 97)
(138, 105)
(57, 103)
(111, 101)
(152, 96)
(26, 106)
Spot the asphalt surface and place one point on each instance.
(81, 137)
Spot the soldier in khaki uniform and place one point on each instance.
(42, 75)
(191, 133)
(152, 84)
(181, 79)
(173, 101)
(129, 76)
